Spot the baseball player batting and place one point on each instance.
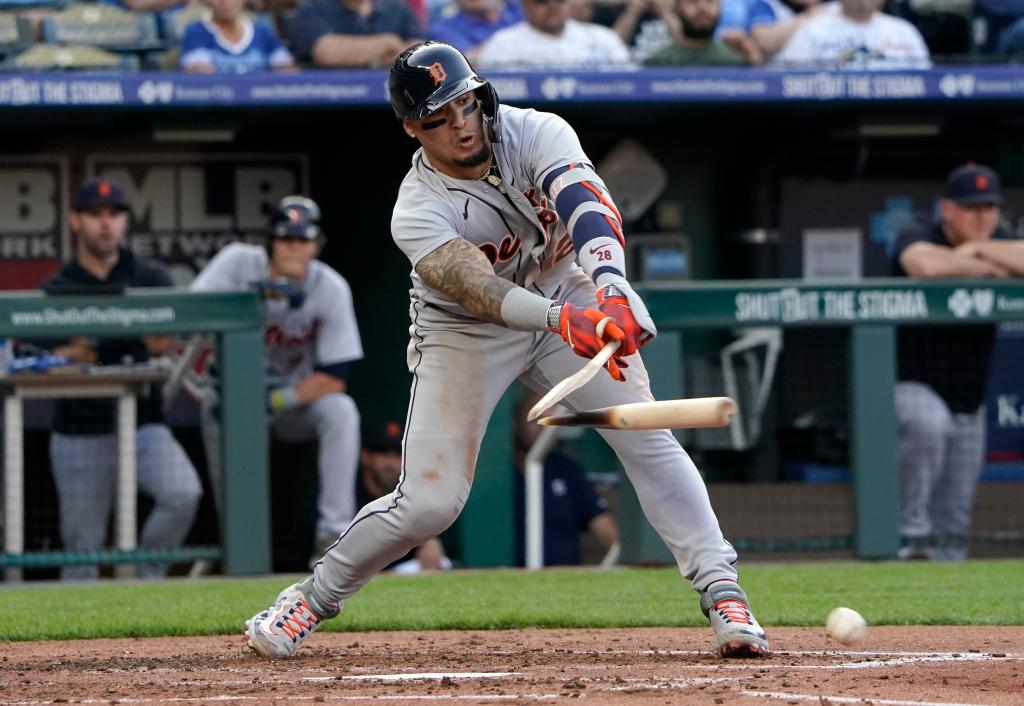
(311, 340)
(518, 268)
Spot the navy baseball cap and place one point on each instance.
(384, 437)
(94, 192)
(971, 184)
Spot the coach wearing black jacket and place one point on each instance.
(83, 446)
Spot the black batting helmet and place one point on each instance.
(295, 217)
(428, 75)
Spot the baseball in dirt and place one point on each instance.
(846, 626)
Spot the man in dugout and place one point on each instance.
(84, 445)
(311, 341)
(943, 369)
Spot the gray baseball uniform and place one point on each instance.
(322, 331)
(462, 365)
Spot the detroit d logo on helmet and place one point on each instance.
(437, 73)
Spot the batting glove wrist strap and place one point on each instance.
(282, 398)
(555, 316)
(616, 298)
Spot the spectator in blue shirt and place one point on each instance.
(571, 506)
(231, 43)
(352, 33)
(474, 23)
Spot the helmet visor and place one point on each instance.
(442, 96)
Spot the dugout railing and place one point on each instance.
(871, 310)
(236, 320)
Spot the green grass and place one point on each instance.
(969, 593)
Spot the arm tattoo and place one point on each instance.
(461, 272)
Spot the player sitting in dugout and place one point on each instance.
(311, 340)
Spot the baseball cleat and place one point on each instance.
(737, 633)
(279, 630)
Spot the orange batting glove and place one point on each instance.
(612, 302)
(587, 331)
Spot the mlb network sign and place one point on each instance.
(32, 208)
(185, 208)
(33, 229)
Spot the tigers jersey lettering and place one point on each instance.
(515, 225)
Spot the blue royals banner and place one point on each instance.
(366, 88)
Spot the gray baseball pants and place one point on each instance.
(85, 473)
(461, 368)
(333, 420)
(940, 458)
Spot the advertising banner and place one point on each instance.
(186, 207)
(33, 221)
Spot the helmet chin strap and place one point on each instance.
(490, 107)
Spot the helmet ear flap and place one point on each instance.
(489, 103)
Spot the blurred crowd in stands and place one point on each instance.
(235, 36)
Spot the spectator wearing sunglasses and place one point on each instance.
(550, 39)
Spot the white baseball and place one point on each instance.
(846, 626)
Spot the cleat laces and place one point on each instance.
(296, 621)
(733, 611)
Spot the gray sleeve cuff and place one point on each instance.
(523, 310)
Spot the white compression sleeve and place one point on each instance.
(523, 310)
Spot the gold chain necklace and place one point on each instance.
(489, 169)
(492, 176)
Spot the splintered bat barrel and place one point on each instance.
(693, 413)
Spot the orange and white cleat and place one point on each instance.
(279, 630)
(737, 633)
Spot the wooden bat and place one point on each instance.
(693, 413)
(575, 381)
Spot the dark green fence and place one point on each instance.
(236, 319)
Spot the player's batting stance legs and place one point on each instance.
(447, 422)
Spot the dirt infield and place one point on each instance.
(897, 665)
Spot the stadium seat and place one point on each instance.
(50, 57)
(102, 26)
(15, 33)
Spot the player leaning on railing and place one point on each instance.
(84, 445)
(497, 202)
(943, 370)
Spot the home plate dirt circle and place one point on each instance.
(897, 666)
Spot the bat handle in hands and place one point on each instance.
(619, 301)
(587, 331)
